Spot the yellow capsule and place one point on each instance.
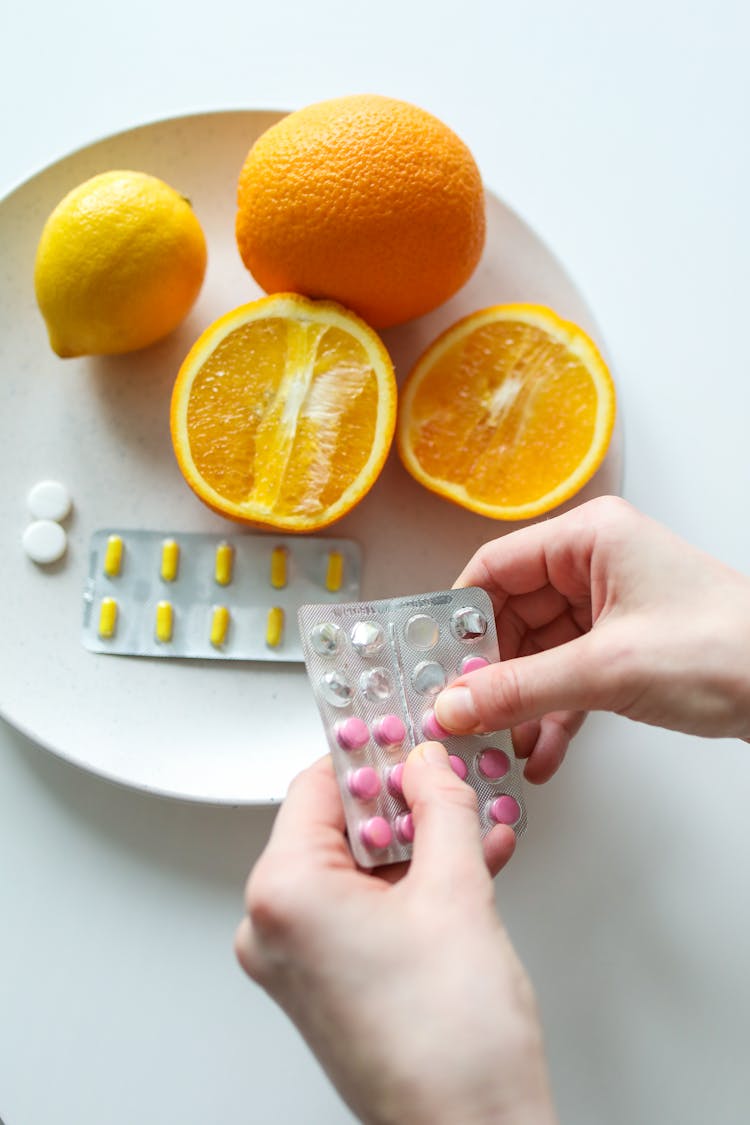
(170, 559)
(275, 627)
(164, 621)
(335, 572)
(278, 568)
(113, 556)
(107, 618)
(224, 564)
(219, 625)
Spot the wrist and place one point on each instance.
(509, 1093)
(531, 1108)
(535, 1111)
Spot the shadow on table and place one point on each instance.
(214, 843)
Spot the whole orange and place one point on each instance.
(365, 200)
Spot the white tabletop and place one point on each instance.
(621, 137)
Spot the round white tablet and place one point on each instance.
(49, 500)
(44, 541)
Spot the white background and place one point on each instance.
(621, 134)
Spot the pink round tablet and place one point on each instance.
(395, 783)
(471, 663)
(405, 828)
(505, 809)
(364, 783)
(431, 727)
(389, 731)
(493, 763)
(458, 765)
(376, 833)
(352, 733)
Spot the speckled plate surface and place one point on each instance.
(233, 733)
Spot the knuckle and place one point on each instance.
(449, 790)
(271, 901)
(249, 956)
(479, 571)
(504, 694)
(464, 797)
(610, 510)
(482, 561)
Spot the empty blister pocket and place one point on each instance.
(375, 669)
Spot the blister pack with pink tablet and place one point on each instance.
(375, 669)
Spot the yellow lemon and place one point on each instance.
(119, 264)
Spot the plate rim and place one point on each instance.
(166, 119)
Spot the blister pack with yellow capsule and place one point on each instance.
(213, 597)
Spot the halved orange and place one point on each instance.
(508, 413)
(283, 413)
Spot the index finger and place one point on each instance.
(310, 824)
(556, 552)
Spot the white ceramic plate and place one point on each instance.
(210, 731)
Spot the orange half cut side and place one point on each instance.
(508, 413)
(283, 413)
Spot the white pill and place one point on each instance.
(49, 500)
(44, 541)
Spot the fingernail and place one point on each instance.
(455, 710)
(435, 754)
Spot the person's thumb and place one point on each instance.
(447, 840)
(572, 677)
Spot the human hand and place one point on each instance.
(404, 982)
(603, 609)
